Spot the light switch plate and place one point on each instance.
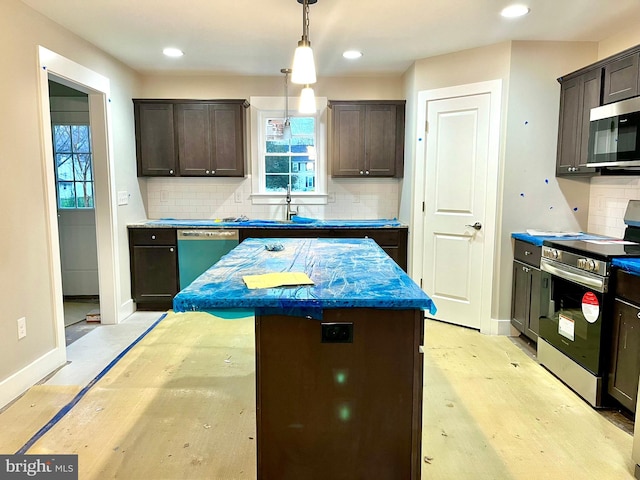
(123, 198)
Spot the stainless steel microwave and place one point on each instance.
(614, 135)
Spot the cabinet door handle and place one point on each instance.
(213, 172)
(367, 172)
(171, 172)
(361, 172)
(171, 249)
(153, 237)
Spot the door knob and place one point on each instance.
(476, 226)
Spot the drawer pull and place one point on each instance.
(527, 252)
(153, 237)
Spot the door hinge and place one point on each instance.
(422, 207)
(420, 283)
(426, 126)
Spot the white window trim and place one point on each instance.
(274, 106)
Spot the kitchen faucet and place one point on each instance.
(290, 213)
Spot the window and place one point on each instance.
(279, 162)
(74, 170)
(290, 161)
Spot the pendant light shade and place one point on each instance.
(304, 68)
(307, 100)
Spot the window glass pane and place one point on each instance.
(277, 183)
(303, 182)
(66, 195)
(303, 125)
(82, 167)
(62, 138)
(84, 194)
(277, 146)
(64, 167)
(275, 164)
(80, 138)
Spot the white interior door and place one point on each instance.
(455, 214)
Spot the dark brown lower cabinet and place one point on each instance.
(343, 410)
(154, 267)
(624, 369)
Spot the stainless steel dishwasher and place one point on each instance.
(198, 249)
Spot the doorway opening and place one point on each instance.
(75, 201)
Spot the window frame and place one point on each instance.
(270, 107)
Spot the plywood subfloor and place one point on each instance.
(181, 405)
(491, 412)
(28, 414)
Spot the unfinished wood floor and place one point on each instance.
(181, 405)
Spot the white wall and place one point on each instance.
(530, 196)
(26, 282)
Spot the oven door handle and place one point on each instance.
(596, 283)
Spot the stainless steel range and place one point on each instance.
(575, 330)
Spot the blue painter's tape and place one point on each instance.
(67, 408)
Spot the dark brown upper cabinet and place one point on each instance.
(367, 138)
(578, 95)
(206, 137)
(621, 79)
(155, 139)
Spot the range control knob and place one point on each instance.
(553, 253)
(591, 265)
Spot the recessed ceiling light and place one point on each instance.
(351, 54)
(513, 11)
(172, 52)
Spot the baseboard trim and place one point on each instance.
(126, 310)
(18, 383)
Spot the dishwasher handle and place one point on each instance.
(209, 234)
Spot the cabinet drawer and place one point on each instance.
(527, 253)
(627, 286)
(153, 236)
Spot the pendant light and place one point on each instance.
(307, 100)
(304, 68)
(286, 130)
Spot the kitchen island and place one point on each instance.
(338, 363)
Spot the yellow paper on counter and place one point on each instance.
(270, 280)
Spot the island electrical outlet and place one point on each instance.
(337, 332)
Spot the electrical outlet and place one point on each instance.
(123, 198)
(22, 327)
(238, 196)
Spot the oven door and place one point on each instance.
(573, 304)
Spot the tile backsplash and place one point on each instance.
(608, 202)
(207, 198)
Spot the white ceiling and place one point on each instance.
(242, 37)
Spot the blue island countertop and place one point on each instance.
(347, 273)
(295, 222)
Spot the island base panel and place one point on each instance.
(343, 410)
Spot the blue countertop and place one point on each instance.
(347, 273)
(537, 240)
(631, 265)
(296, 222)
